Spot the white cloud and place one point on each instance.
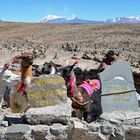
(68, 13)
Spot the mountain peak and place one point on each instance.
(126, 19)
(51, 17)
(57, 19)
(76, 20)
(67, 20)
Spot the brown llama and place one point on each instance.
(17, 99)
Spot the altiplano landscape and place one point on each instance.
(64, 44)
(49, 40)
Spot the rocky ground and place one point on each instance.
(68, 42)
(62, 44)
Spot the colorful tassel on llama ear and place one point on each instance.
(75, 63)
(6, 66)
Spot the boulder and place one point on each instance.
(15, 132)
(118, 89)
(48, 115)
(43, 91)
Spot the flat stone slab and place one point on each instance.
(47, 91)
(44, 91)
(47, 115)
(120, 115)
(118, 90)
(15, 132)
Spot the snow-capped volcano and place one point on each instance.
(51, 17)
(130, 19)
(76, 20)
(71, 20)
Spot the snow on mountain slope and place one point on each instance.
(76, 20)
(130, 19)
(72, 20)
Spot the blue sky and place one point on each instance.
(35, 10)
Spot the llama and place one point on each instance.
(20, 87)
(86, 100)
(46, 68)
(50, 68)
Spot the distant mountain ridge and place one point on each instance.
(131, 19)
(74, 20)
(71, 20)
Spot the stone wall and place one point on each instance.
(56, 123)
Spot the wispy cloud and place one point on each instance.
(68, 13)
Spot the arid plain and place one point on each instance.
(61, 42)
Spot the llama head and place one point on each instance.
(27, 59)
(68, 71)
(48, 68)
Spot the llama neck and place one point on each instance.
(72, 80)
(25, 73)
(72, 85)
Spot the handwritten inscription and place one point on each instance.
(43, 94)
(42, 103)
(117, 88)
(48, 81)
(121, 98)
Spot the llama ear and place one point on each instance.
(75, 63)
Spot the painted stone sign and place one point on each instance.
(43, 91)
(118, 90)
(47, 91)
